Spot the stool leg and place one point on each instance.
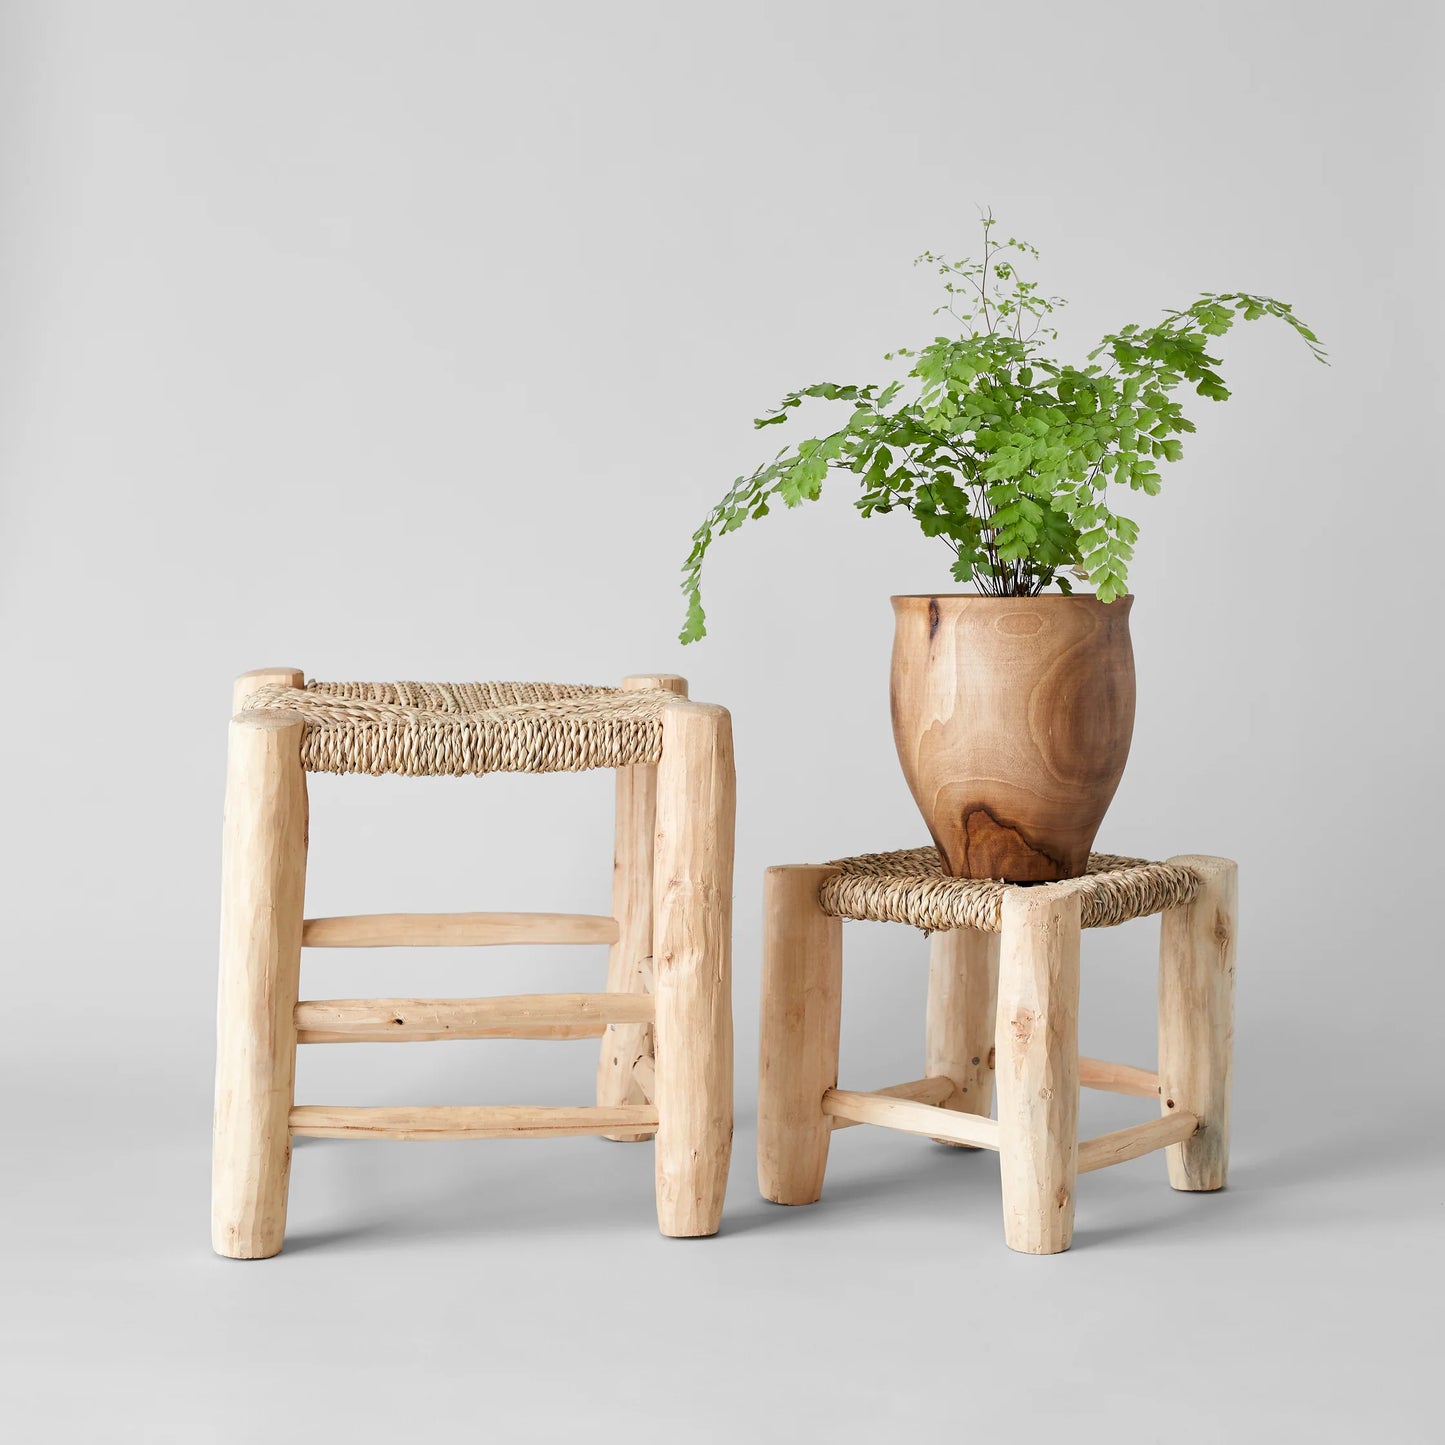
(1196, 1021)
(1038, 1067)
(801, 1016)
(692, 960)
(629, 964)
(962, 1005)
(263, 881)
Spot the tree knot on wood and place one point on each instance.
(1221, 929)
(1022, 1026)
(995, 847)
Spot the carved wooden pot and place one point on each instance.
(1013, 717)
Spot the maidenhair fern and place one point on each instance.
(1005, 454)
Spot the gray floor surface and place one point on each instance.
(519, 1292)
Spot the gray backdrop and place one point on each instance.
(414, 341)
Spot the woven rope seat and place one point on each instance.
(449, 729)
(911, 887)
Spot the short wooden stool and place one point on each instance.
(665, 1019)
(1003, 999)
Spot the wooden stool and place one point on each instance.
(1003, 998)
(665, 1020)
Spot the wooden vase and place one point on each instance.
(1013, 717)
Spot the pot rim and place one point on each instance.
(989, 597)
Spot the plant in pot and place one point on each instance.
(1013, 705)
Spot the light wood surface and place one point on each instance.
(798, 1046)
(892, 1112)
(250, 682)
(1140, 1139)
(673, 886)
(1114, 1078)
(1037, 1081)
(1196, 1021)
(451, 1121)
(419, 1020)
(962, 1004)
(263, 883)
(921, 1091)
(630, 961)
(644, 1074)
(456, 930)
(1012, 717)
(692, 958)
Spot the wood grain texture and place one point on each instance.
(1037, 1081)
(263, 882)
(962, 1004)
(692, 960)
(1112, 1078)
(463, 1121)
(1013, 717)
(428, 1020)
(455, 930)
(1197, 943)
(629, 964)
(921, 1091)
(912, 1118)
(798, 1046)
(1122, 1144)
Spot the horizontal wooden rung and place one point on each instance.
(1130, 1143)
(447, 1121)
(912, 1118)
(1118, 1078)
(455, 930)
(922, 1091)
(427, 1020)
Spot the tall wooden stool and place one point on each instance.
(665, 1019)
(1003, 998)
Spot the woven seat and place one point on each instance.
(1002, 1018)
(665, 1067)
(911, 887)
(440, 729)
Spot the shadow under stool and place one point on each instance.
(665, 1018)
(1003, 999)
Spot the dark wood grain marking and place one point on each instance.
(1012, 717)
(996, 848)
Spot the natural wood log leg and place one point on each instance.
(1038, 1067)
(1196, 1021)
(962, 1005)
(636, 819)
(801, 1015)
(250, 682)
(692, 959)
(263, 883)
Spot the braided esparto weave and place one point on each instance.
(911, 887)
(445, 729)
